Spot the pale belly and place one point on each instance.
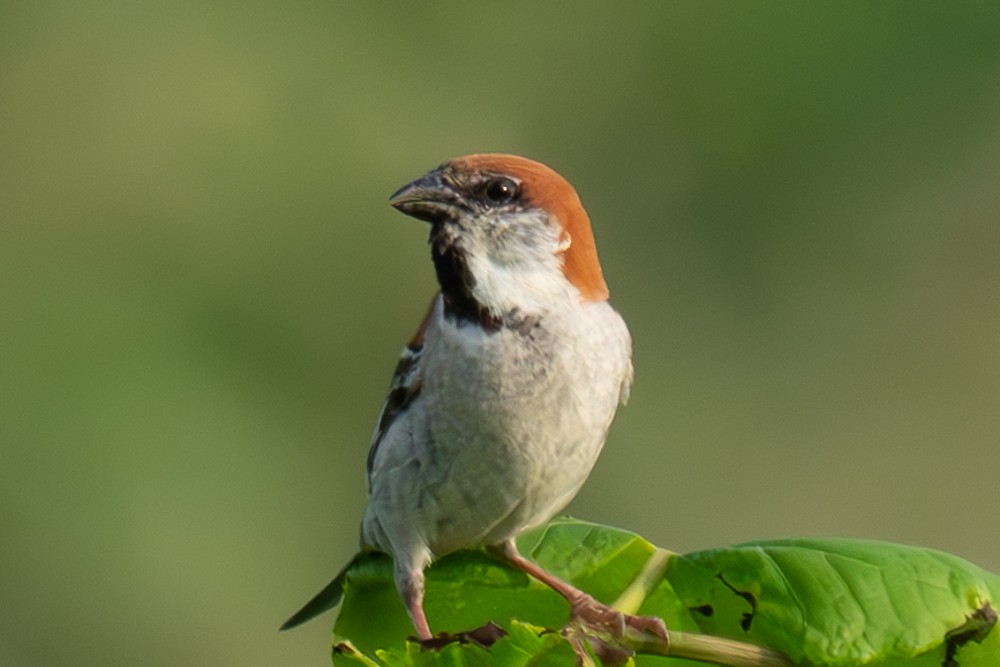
(500, 443)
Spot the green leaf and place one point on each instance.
(523, 646)
(836, 603)
(469, 588)
(840, 602)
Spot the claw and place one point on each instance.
(589, 613)
(595, 615)
(652, 625)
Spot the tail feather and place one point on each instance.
(326, 599)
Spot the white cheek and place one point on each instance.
(504, 287)
(516, 264)
(528, 237)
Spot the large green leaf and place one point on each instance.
(840, 603)
(844, 602)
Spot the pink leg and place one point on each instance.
(411, 589)
(571, 593)
(585, 607)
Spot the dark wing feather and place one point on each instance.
(406, 383)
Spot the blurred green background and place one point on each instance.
(204, 290)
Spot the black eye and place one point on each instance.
(500, 190)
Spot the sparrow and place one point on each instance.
(502, 400)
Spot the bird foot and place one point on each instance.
(595, 615)
(605, 628)
(602, 629)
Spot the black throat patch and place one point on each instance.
(456, 281)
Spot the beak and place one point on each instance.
(428, 198)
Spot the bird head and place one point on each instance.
(506, 233)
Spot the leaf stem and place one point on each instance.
(706, 648)
(693, 646)
(652, 572)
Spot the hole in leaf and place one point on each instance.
(484, 636)
(976, 628)
(747, 617)
(704, 610)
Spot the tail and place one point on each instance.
(325, 600)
